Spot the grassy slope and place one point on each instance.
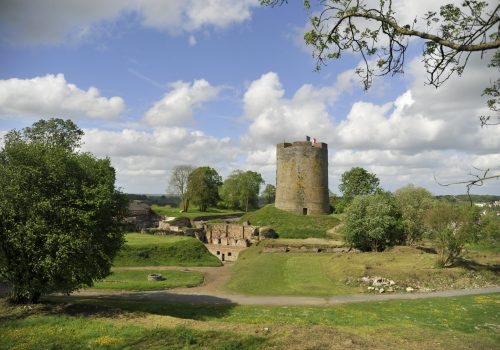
(289, 225)
(137, 280)
(149, 250)
(322, 274)
(167, 210)
(73, 323)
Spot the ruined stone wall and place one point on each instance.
(231, 235)
(302, 177)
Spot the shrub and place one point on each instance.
(373, 222)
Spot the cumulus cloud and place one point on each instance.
(52, 21)
(176, 107)
(53, 95)
(144, 159)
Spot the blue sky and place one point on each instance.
(156, 84)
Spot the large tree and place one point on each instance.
(241, 189)
(60, 212)
(374, 30)
(269, 193)
(178, 182)
(358, 181)
(203, 187)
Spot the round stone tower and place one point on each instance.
(302, 177)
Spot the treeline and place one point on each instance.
(203, 187)
(474, 198)
(376, 219)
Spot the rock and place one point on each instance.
(347, 342)
(381, 290)
(246, 223)
(365, 279)
(267, 232)
(371, 288)
(391, 282)
(409, 289)
(155, 277)
(390, 289)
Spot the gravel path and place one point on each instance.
(211, 292)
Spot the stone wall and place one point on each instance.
(302, 177)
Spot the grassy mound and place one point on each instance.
(323, 274)
(289, 225)
(137, 280)
(148, 250)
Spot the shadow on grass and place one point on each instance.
(186, 306)
(475, 266)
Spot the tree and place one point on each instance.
(451, 227)
(203, 187)
(382, 40)
(269, 193)
(358, 181)
(413, 202)
(241, 189)
(373, 222)
(60, 213)
(178, 183)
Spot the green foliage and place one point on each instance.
(358, 181)
(290, 225)
(451, 228)
(338, 204)
(241, 190)
(373, 222)
(60, 212)
(149, 250)
(490, 228)
(203, 187)
(413, 202)
(269, 193)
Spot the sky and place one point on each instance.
(155, 84)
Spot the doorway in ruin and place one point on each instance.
(222, 257)
(304, 211)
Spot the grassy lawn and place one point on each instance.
(289, 225)
(74, 322)
(137, 280)
(149, 250)
(323, 274)
(167, 210)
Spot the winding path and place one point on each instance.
(216, 277)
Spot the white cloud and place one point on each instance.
(176, 107)
(52, 21)
(143, 160)
(52, 95)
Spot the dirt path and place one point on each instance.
(212, 292)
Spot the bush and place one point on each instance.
(451, 228)
(373, 222)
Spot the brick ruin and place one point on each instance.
(226, 241)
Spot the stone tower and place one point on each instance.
(302, 177)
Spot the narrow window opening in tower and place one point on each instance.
(304, 211)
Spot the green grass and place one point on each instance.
(438, 323)
(137, 280)
(289, 225)
(149, 250)
(323, 274)
(62, 331)
(167, 210)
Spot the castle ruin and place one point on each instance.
(302, 177)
